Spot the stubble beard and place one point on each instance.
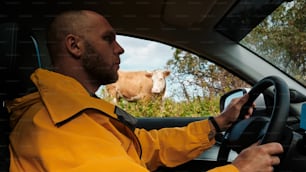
(96, 69)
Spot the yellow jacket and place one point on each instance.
(62, 128)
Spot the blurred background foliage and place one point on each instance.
(281, 39)
(193, 88)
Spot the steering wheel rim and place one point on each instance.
(278, 117)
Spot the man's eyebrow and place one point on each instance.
(110, 32)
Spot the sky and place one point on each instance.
(141, 54)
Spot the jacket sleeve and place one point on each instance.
(174, 146)
(226, 168)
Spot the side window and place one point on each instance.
(193, 85)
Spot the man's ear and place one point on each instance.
(73, 45)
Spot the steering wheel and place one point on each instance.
(267, 129)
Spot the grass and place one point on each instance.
(198, 107)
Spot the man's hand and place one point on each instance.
(258, 158)
(232, 111)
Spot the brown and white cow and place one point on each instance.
(138, 85)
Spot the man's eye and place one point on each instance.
(109, 39)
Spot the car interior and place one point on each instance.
(20, 57)
(210, 29)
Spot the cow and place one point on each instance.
(138, 85)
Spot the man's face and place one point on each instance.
(102, 69)
(101, 54)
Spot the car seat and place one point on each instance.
(19, 58)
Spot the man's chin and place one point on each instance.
(110, 81)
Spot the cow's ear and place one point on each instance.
(166, 73)
(73, 45)
(149, 74)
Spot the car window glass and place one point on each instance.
(280, 39)
(193, 88)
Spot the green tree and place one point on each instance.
(196, 78)
(280, 39)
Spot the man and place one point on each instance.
(64, 127)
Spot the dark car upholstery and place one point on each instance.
(19, 58)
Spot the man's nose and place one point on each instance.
(118, 49)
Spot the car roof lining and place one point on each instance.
(186, 13)
(147, 22)
(197, 17)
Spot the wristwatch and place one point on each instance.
(214, 123)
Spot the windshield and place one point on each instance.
(281, 39)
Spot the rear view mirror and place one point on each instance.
(227, 97)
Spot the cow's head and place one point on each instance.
(159, 82)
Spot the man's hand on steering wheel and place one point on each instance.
(232, 111)
(258, 158)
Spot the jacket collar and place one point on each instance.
(65, 97)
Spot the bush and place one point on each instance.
(198, 107)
